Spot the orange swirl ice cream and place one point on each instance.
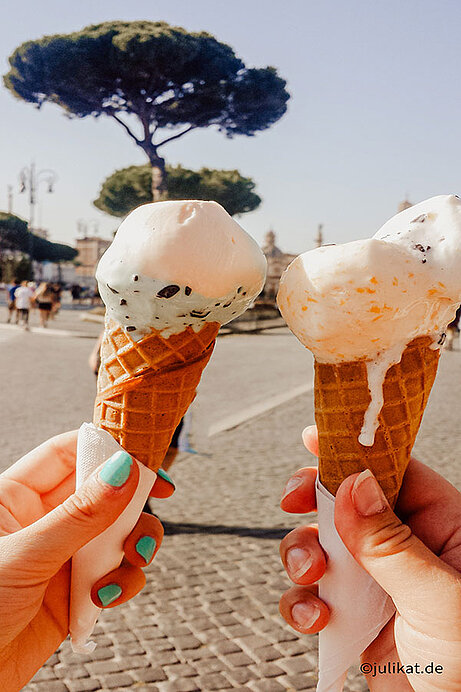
(374, 312)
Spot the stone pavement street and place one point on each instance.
(208, 617)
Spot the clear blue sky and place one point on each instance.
(375, 112)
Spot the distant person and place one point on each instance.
(44, 298)
(76, 292)
(95, 297)
(172, 451)
(94, 360)
(23, 298)
(11, 301)
(453, 330)
(57, 290)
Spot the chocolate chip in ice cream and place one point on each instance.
(123, 301)
(135, 277)
(168, 291)
(197, 313)
(131, 329)
(421, 248)
(111, 289)
(188, 290)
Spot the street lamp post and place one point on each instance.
(319, 238)
(10, 199)
(29, 181)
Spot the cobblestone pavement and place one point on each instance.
(208, 618)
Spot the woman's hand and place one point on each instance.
(417, 562)
(43, 522)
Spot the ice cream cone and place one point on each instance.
(341, 398)
(146, 386)
(175, 272)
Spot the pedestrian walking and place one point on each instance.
(453, 330)
(23, 298)
(44, 297)
(11, 302)
(56, 303)
(76, 292)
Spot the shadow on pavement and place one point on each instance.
(172, 528)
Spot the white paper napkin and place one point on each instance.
(104, 553)
(359, 606)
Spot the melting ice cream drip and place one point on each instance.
(376, 372)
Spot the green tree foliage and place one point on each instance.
(13, 232)
(21, 269)
(129, 187)
(15, 237)
(150, 78)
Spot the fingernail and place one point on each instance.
(293, 483)
(117, 469)
(307, 431)
(165, 477)
(305, 615)
(108, 594)
(367, 496)
(146, 547)
(298, 562)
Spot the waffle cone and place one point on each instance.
(145, 387)
(341, 399)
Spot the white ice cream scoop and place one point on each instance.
(177, 264)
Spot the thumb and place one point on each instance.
(53, 539)
(421, 585)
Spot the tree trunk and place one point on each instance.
(158, 175)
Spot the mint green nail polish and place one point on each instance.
(165, 476)
(146, 547)
(108, 594)
(116, 470)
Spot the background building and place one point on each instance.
(277, 262)
(42, 233)
(406, 204)
(90, 251)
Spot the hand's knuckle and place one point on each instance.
(80, 506)
(390, 538)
